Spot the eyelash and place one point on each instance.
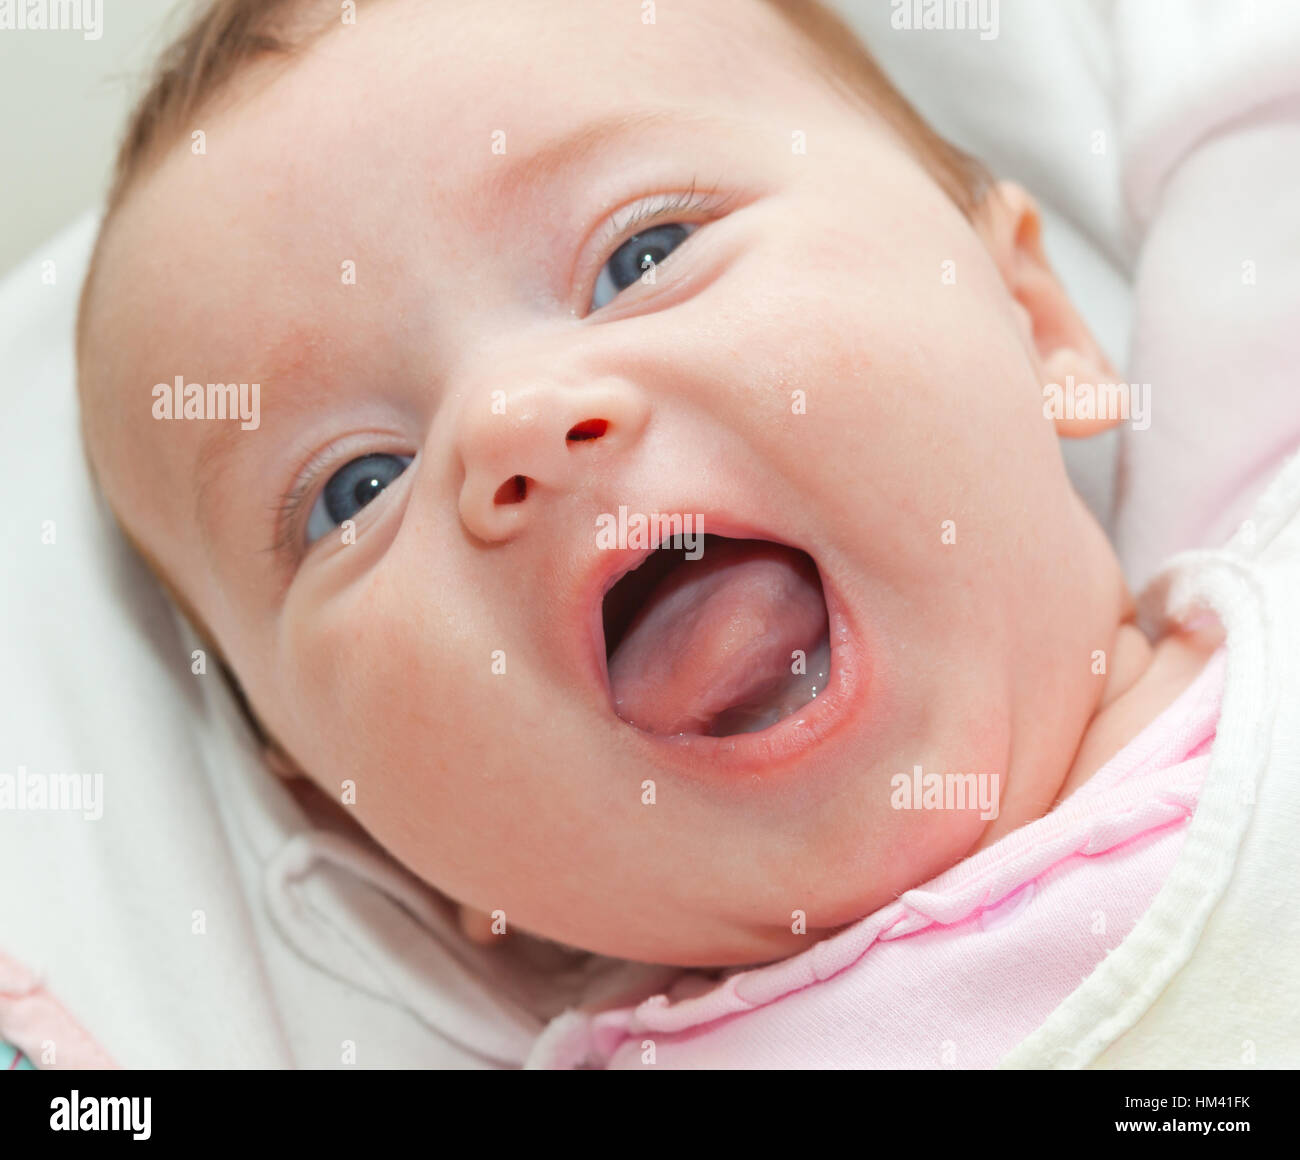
(665, 207)
(289, 510)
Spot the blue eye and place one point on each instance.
(634, 257)
(350, 488)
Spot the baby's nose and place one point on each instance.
(518, 446)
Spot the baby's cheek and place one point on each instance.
(921, 808)
(402, 701)
(379, 697)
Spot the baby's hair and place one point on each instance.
(853, 70)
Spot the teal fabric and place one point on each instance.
(11, 1059)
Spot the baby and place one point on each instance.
(514, 280)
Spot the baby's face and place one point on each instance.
(404, 562)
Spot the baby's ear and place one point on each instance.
(1060, 342)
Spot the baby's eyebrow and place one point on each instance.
(218, 452)
(288, 359)
(584, 146)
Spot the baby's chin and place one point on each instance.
(863, 869)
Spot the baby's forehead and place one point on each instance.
(447, 81)
(457, 87)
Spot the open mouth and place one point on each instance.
(732, 642)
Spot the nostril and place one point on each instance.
(587, 429)
(514, 490)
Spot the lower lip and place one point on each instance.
(794, 738)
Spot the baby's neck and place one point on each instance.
(1142, 680)
(1145, 679)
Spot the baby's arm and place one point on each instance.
(1209, 108)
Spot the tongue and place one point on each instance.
(717, 635)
